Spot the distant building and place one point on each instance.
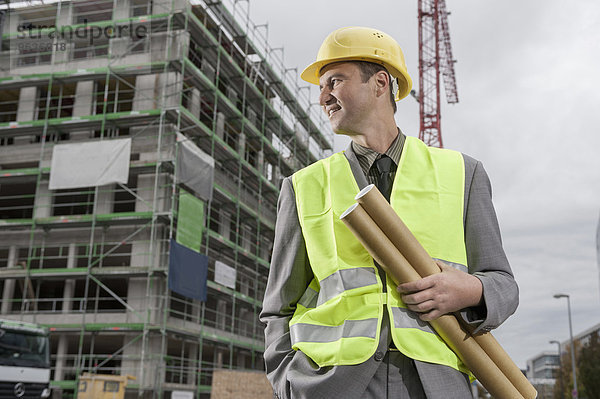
(542, 369)
(583, 337)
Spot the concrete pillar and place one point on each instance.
(136, 287)
(247, 238)
(63, 56)
(12, 22)
(178, 42)
(145, 190)
(243, 322)
(242, 144)
(221, 316)
(194, 101)
(218, 358)
(169, 87)
(9, 284)
(61, 353)
(27, 104)
(84, 93)
(260, 162)
(119, 46)
(269, 135)
(143, 361)
(59, 368)
(144, 93)
(275, 176)
(208, 70)
(232, 95)
(43, 201)
(192, 363)
(65, 16)
(220, 126)
(245, 285)
(161, 6)
(251, 115)
(146, 303)
(104, 203)
(121, 10)
(225, 224)
(67, 302)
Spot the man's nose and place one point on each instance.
(325, 97)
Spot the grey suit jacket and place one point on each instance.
(294, 375)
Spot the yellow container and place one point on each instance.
(102, 386)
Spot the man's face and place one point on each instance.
(344, 97)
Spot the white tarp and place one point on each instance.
(225, 275)
(90, 164)
(195, 168)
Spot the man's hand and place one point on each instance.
(441, 293)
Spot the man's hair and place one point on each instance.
(368, 69)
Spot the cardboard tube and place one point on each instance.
(459, 340)
(394, 228)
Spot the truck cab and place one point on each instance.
(24, 360)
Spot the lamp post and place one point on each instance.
(575, 393)
(559, 367)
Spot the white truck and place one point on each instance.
(24, 360)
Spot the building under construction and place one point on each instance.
(131, 130)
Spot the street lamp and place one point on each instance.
(575, 393)
(559, 367)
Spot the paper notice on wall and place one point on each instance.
(90, 164)
(195, 168)
(225, 275)
(182, 395)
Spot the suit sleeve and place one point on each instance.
(485, 254)
(289, 276)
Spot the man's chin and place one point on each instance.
(341, 131)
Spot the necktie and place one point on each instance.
(385, 167)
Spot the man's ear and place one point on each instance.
(382, 82)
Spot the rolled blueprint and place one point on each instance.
(459, 340)
(394, 228)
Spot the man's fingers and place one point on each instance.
(415, 286)
(434, 314)
(421, 307)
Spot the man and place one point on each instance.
(336, 326)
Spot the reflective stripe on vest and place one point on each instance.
(329, 324)
(350, 328)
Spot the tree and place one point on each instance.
(589, 367)
(565, 374)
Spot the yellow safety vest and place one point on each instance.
(338, 319)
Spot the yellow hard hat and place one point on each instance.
(356, 43)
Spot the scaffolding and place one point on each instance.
(92, 263)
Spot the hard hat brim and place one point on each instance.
(311, 73)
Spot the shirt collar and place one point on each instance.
(367, 156)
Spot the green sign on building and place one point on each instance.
(190, 221)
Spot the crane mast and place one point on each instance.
(435, 60)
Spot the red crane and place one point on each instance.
(435, 59)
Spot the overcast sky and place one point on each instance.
(528, 86)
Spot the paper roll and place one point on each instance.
(458, 339)
(398, 233)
